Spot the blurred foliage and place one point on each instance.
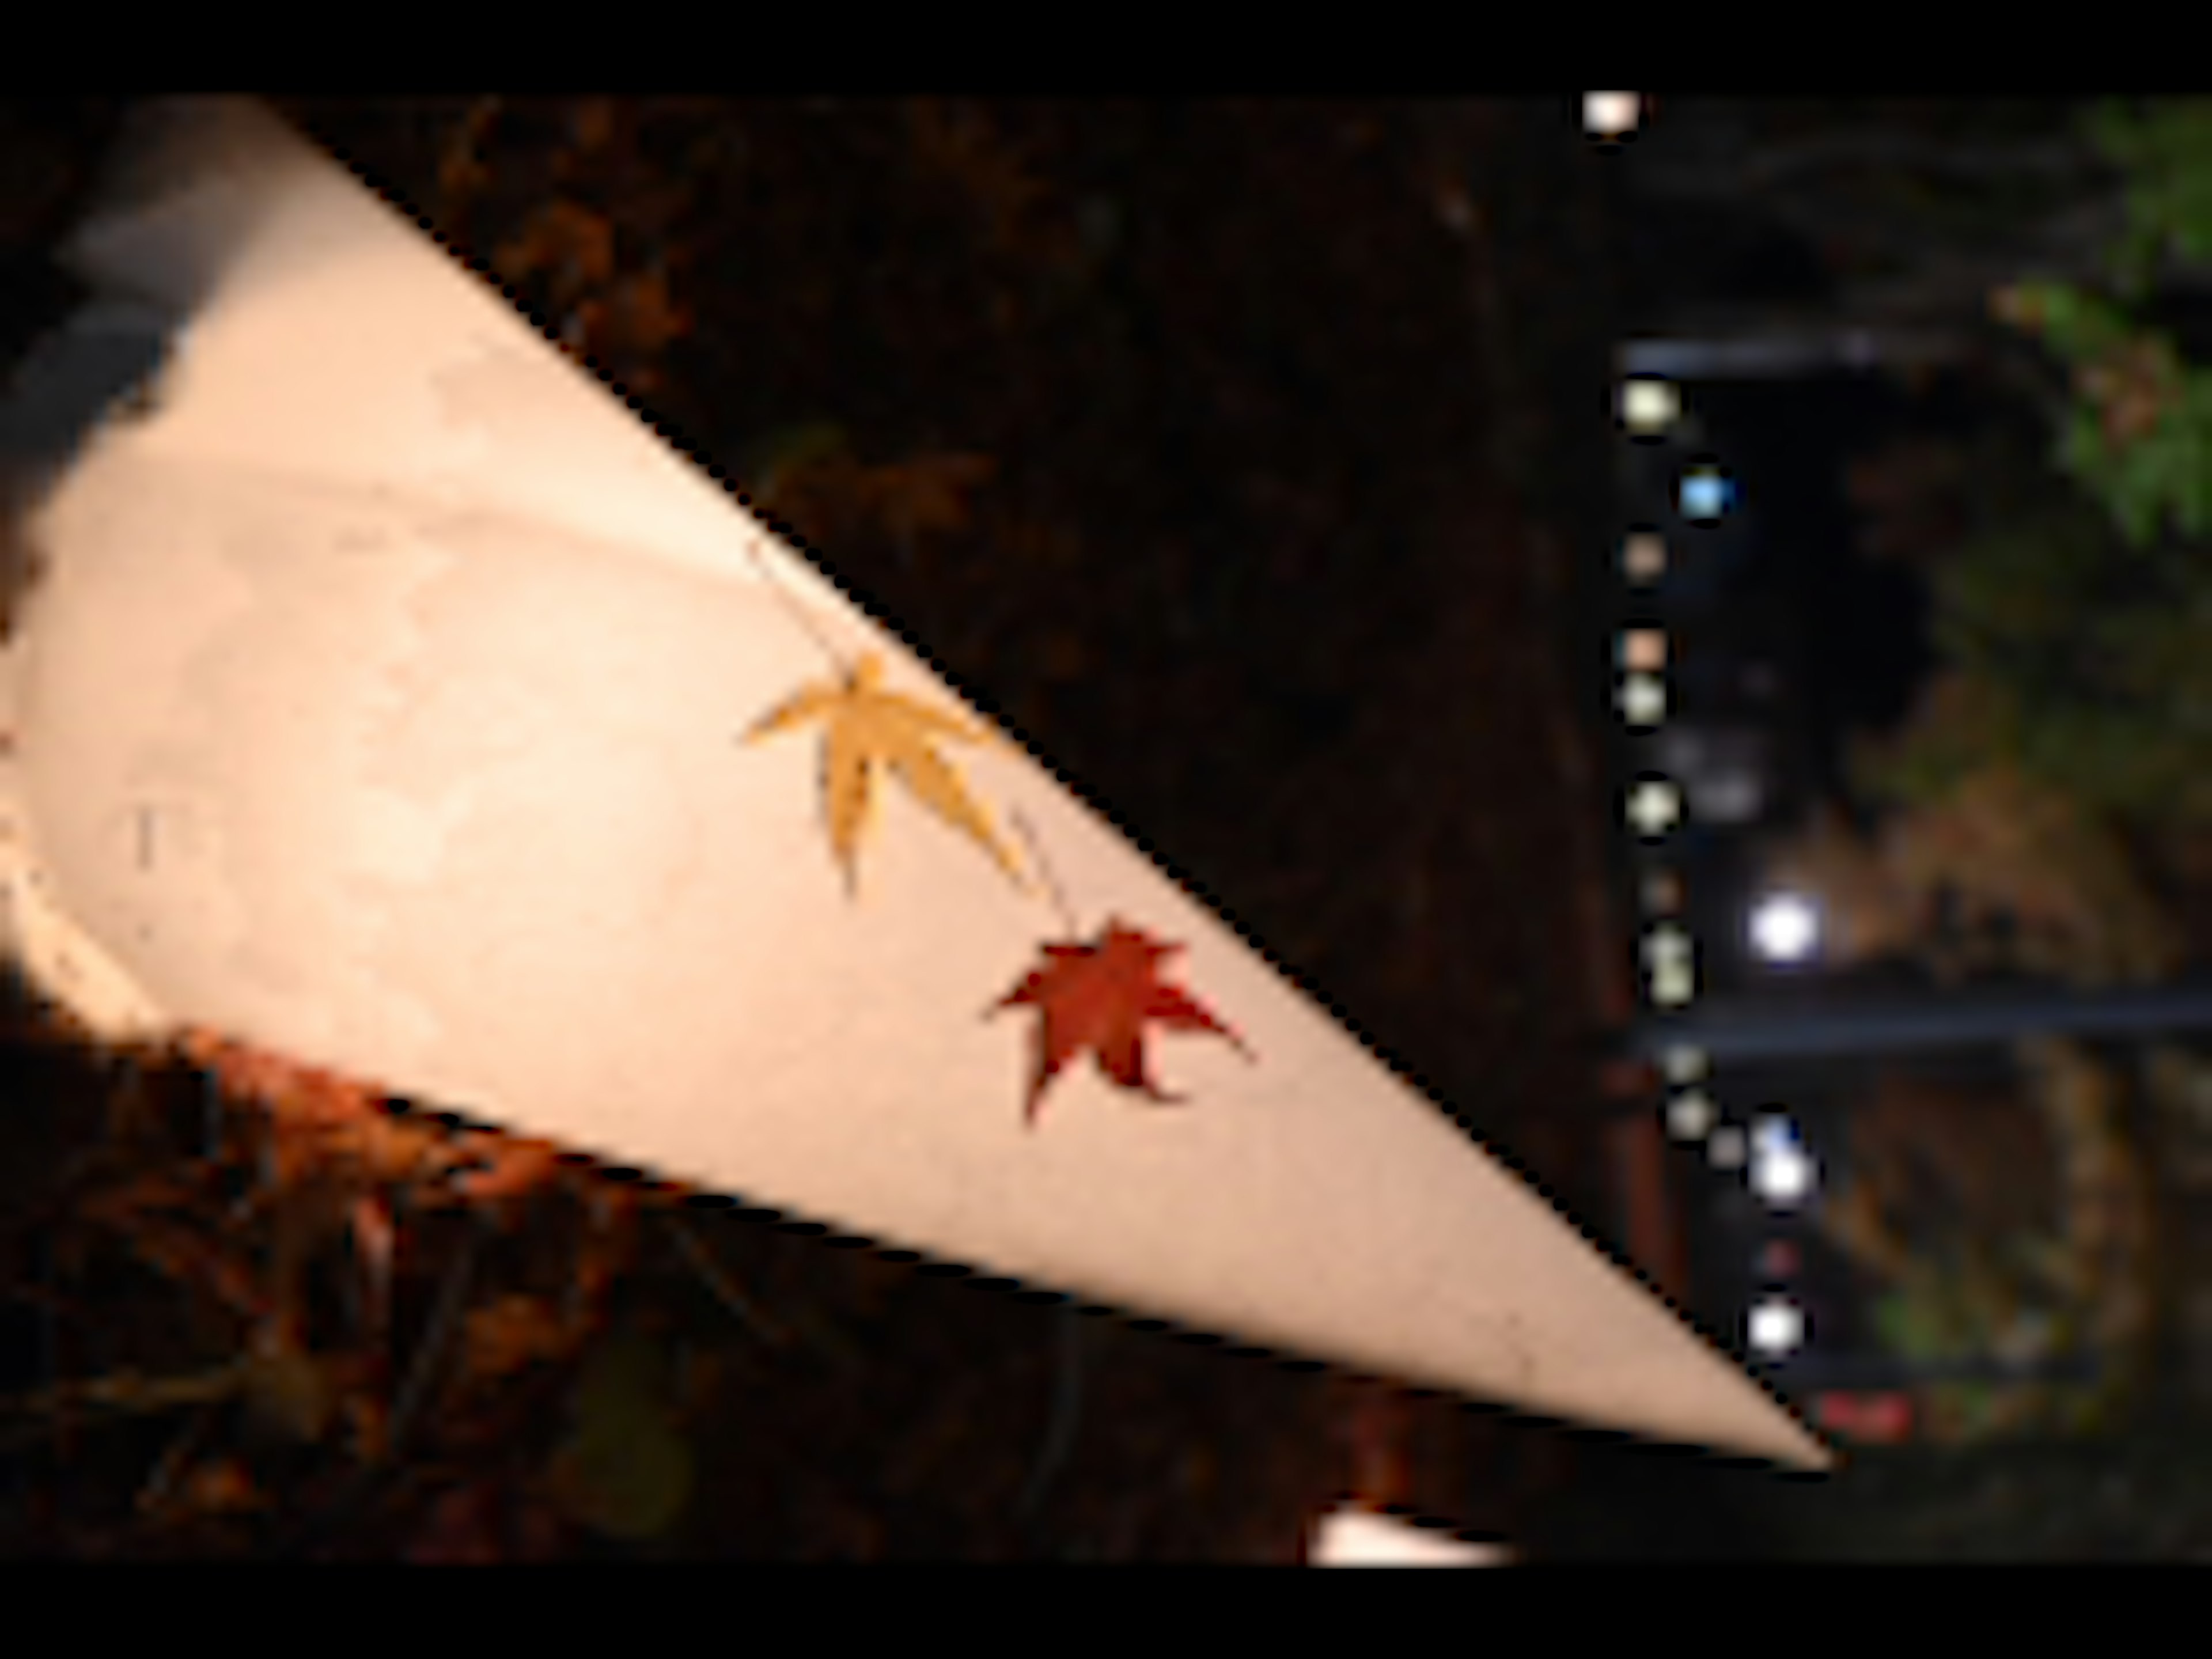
(2163, 149)
(2074, 668)
(2017, 1229)
(2139, 434)
(1989, 871)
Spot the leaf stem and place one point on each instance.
(1044, 869)
(798, 611)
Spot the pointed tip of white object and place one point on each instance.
(377, 710)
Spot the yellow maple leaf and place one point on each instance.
(869, 727)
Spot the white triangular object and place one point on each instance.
(1354, 1537)
(380, 704)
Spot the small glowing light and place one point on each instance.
(1726, 1147)
(1642, 700)
(1667, 942)
(1681, 1065)
(1782, 1177)
(1643, 650)
(1692, 1114)
(1776, 1326)
(1644, 556)
(1782, 1171)
(1706, 493)
(1672, 984)
(1653, 807)
(1611, 114)
(1785, 927)
(1649, 406)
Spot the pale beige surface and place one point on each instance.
(382, 708)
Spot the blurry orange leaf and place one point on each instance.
(461, 171)
(515, 1331)
(513, 1166)
(221, 1487)
(288, 1087)
(643, 318)
(591, 125)
(573, 242)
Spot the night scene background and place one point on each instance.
(1548, 574)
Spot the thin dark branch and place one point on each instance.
(1067, 1410)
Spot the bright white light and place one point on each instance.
(1648, 405)
(1653, 806)
(1610, 114)
(1776, 1325)
(1691, 1116)
(1672, 984)
(1726, 1147)
(1644, 556)
(1350, 1536)
(1782, 1171)
(1781, 1176)
(1642, 700)
(1785, 927)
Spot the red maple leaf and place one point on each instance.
(1099, 997)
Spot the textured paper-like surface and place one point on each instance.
(381, 706)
